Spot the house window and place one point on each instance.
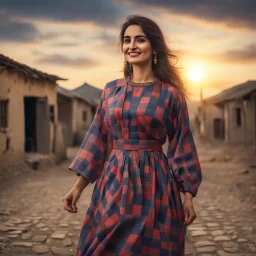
(51, 112)
(238, 117)
(84, 116)
(3, 113)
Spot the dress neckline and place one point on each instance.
(146, 84)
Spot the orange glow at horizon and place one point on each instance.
(196, 74)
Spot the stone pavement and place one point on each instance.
(226, 203)
(33, 221)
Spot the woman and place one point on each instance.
(136, 207)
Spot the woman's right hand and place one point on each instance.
(71, 198)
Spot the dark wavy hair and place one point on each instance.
(164, 70)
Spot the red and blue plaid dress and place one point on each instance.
(136, 208)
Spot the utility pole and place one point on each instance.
(201, 94)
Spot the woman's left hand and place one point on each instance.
(189, 211)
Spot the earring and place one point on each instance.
(155, 59)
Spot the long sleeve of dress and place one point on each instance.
(182, 154)
(91, 156)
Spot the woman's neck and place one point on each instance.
(142, 74)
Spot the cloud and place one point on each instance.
(107, 42)
(65, 44)
(57, 59)
(100, 12)
(246, 55)
(16, 31)
(239, 13)
(55, 35)
(106, 37)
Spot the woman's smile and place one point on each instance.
(134, 54)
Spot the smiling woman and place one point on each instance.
(143, 44)
(136, 207)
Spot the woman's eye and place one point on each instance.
(141, 40)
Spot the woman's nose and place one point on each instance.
(132, 45)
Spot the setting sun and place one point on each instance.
(196, 74)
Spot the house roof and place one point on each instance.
(65, 92)
(89, 92)
(12, 65)
(237, 91)
(70, 94)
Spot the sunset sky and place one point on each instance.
(78, 40)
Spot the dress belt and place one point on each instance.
(141, 145)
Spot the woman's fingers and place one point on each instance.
(67, 204)
(192, 217)
(74, 208)
(189, 213)
(70, 201)
(186, 216)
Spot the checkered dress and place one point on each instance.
(136, 208)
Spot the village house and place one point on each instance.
(230, 116)
(85, 113)
(28, 114)
(76, 111)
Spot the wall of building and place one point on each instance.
(226, 123)
(210, 112)
(254, 125)
(250, 121)
(234, 132)
(81, 126)
(254, 118)
(14, 87)
(61, 147)
(238, 131)
(244, 134)
(65, 117)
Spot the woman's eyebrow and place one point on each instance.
(135, 36)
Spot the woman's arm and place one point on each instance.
(182, 154)
(81, 183)
(71, 198)
(90, 159)
(189, 211)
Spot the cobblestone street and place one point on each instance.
(225, 205)
(33, 221)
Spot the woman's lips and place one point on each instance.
(134, 54)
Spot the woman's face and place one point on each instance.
(136, 46)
